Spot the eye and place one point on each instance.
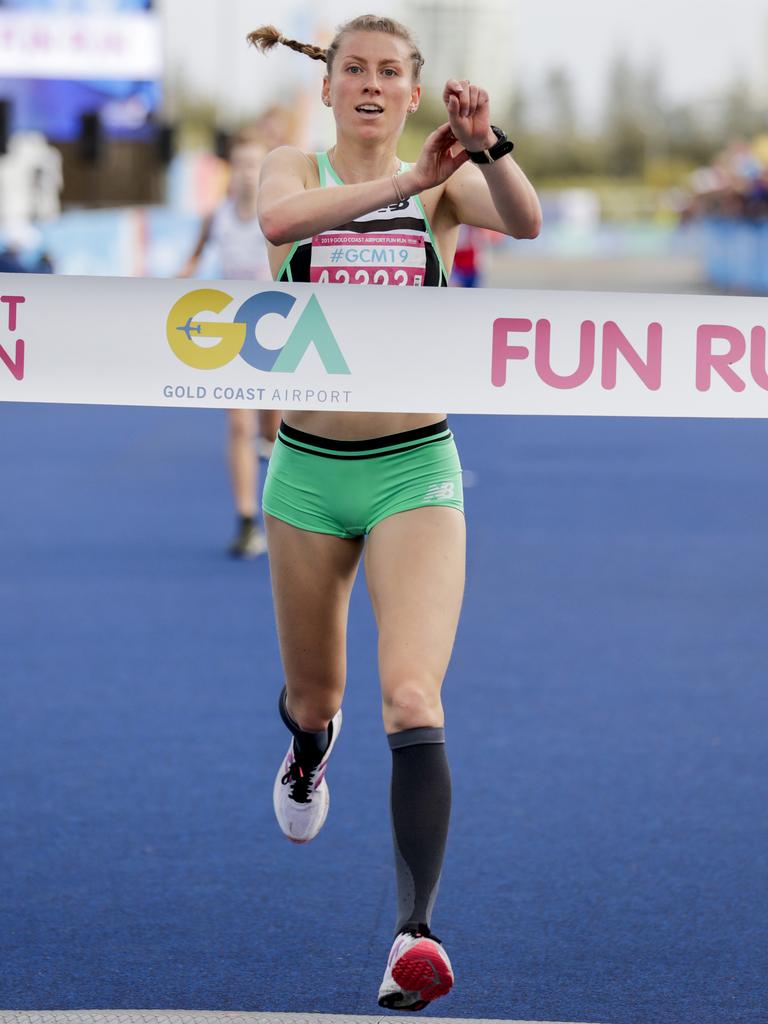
(390, 72)
(354, 67)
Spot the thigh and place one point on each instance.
(269, 423)
(414, 567)
(312, 578)
(242, 424)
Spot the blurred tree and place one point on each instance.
(518, 108)
(740, 116)
(688, 137)
(623, 126)
(561, 105)
(652, 114)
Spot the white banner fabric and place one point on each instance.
(231, 344)
(80, 46)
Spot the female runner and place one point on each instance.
(393, 479)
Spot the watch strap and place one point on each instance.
(500, 148)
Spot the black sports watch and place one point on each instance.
(497, 150)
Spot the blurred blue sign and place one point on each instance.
(60, 59)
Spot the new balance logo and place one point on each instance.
(394, 207)
(439, 492)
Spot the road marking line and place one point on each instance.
(208, 1017)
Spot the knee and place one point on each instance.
(412, 704)
(242, 428)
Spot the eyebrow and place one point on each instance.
(362, 60)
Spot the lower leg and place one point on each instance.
(421, 805)
(308, 744)
(243, 465)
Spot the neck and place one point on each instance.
(246, 206)
(356, 160)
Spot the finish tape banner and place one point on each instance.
(233, 344)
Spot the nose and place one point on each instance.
(372, 83)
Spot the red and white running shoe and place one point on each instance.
(418, 971)
(300, 796)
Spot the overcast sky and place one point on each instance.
(698, 47)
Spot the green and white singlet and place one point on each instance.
(391, 246)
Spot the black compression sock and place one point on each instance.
(309, 746)
(421, 807)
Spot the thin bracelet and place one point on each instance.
(398, 190)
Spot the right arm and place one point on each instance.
(191, 265)
(289, 210)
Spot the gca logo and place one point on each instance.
(239, 338)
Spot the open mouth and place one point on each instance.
(369, 109)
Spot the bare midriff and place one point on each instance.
(353, 426)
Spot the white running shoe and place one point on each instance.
(418, 971)
(300, 797)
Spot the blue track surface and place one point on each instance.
(606, 725)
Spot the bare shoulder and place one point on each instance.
(293, 162)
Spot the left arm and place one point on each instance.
(498, 195)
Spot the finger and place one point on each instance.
(441, 133)
(482, 98)
(464, 97)
(473, 95)
(452, 88)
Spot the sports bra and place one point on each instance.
(391, 246)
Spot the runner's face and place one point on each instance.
(371, 85)
(245, 166)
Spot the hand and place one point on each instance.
(436, 161)
(469, 114)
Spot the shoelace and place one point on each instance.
(300, 780)
(420, 931)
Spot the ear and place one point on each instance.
(415, 97)
(326, 91)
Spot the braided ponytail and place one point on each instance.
(267, 37)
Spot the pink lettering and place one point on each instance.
(757, 358)
(586, 356)
(615, 341)
(707, 360)
(16, 366)
(501, 351)
(12, 301)
(41, 39)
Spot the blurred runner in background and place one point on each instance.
(233, 230)
(469, 262)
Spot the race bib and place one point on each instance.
(345, 257)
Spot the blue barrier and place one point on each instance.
(736, 254)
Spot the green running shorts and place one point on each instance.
(345, 488)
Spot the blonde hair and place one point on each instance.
(267, 37)
(247, 135)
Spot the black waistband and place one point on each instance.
(365, 444)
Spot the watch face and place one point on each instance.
(501, 147)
